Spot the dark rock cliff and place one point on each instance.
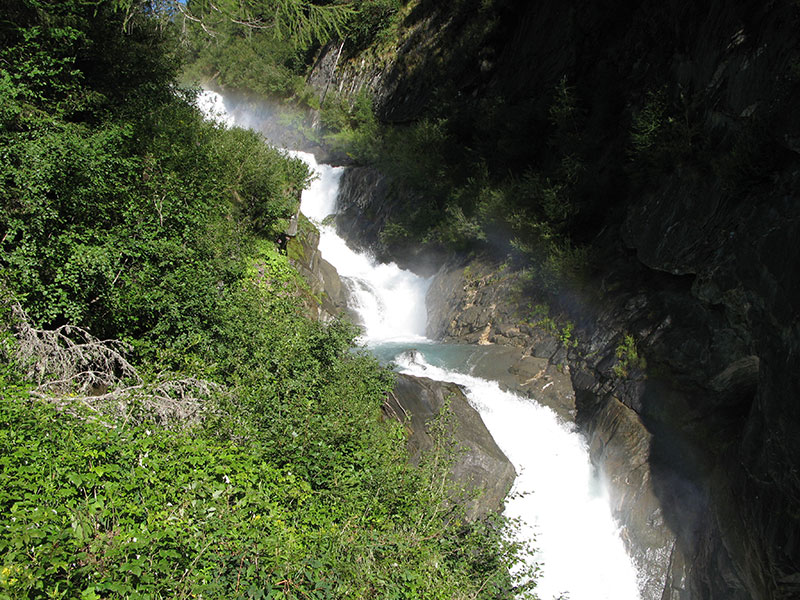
(476, 303)
(367, 201)
(694, 248)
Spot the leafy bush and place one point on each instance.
(457, 198)
(373, 22)
(350, 129)
(628, 357)
(316, 499)
(267, 48)
(539, 316)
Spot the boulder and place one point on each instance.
(480, 466)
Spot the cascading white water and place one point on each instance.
(385, 296)
(556, 493)
(213, 107)
(379, 292)
(562, 504)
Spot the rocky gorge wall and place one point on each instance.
(693, 258)
(479, 466)
(326, 296)
(667, 434)
(533, 356)
(477, 301)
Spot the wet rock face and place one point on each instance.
(367, 201)
(620, 445)
(698, 397)
(745, 267)
(363, 206)
(685, 423)
(480, 465)
(327, 295)
(667, 436)
(403, 80)
(475, 303)
(471, 303)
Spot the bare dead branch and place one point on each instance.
(171, 403)
(187, 15)
(73, 368)
(69, 357)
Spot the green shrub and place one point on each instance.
(373, 22)
(628, 357)
(567, 335)
(539, 316)
(350, 128)
(660, 136)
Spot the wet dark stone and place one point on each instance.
(481, 465)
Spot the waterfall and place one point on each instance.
(557, 493)
(561, 502)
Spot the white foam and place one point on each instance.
(389, 300)
(212, 105)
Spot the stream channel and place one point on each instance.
(557, 495)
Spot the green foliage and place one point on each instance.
(323, 504)
(295, 22)
(373, 22)
(567, 335)
(266, 46)
(231, 60)
(264, 183)
(628, 357)
(649, 123)
(539, 316)
(456, 197)
(563, 107)
(114, 220)
(127, 214)
(350, 128)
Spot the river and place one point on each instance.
(557, 494)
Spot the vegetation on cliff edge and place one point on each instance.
(530, 146)
(266, 47)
